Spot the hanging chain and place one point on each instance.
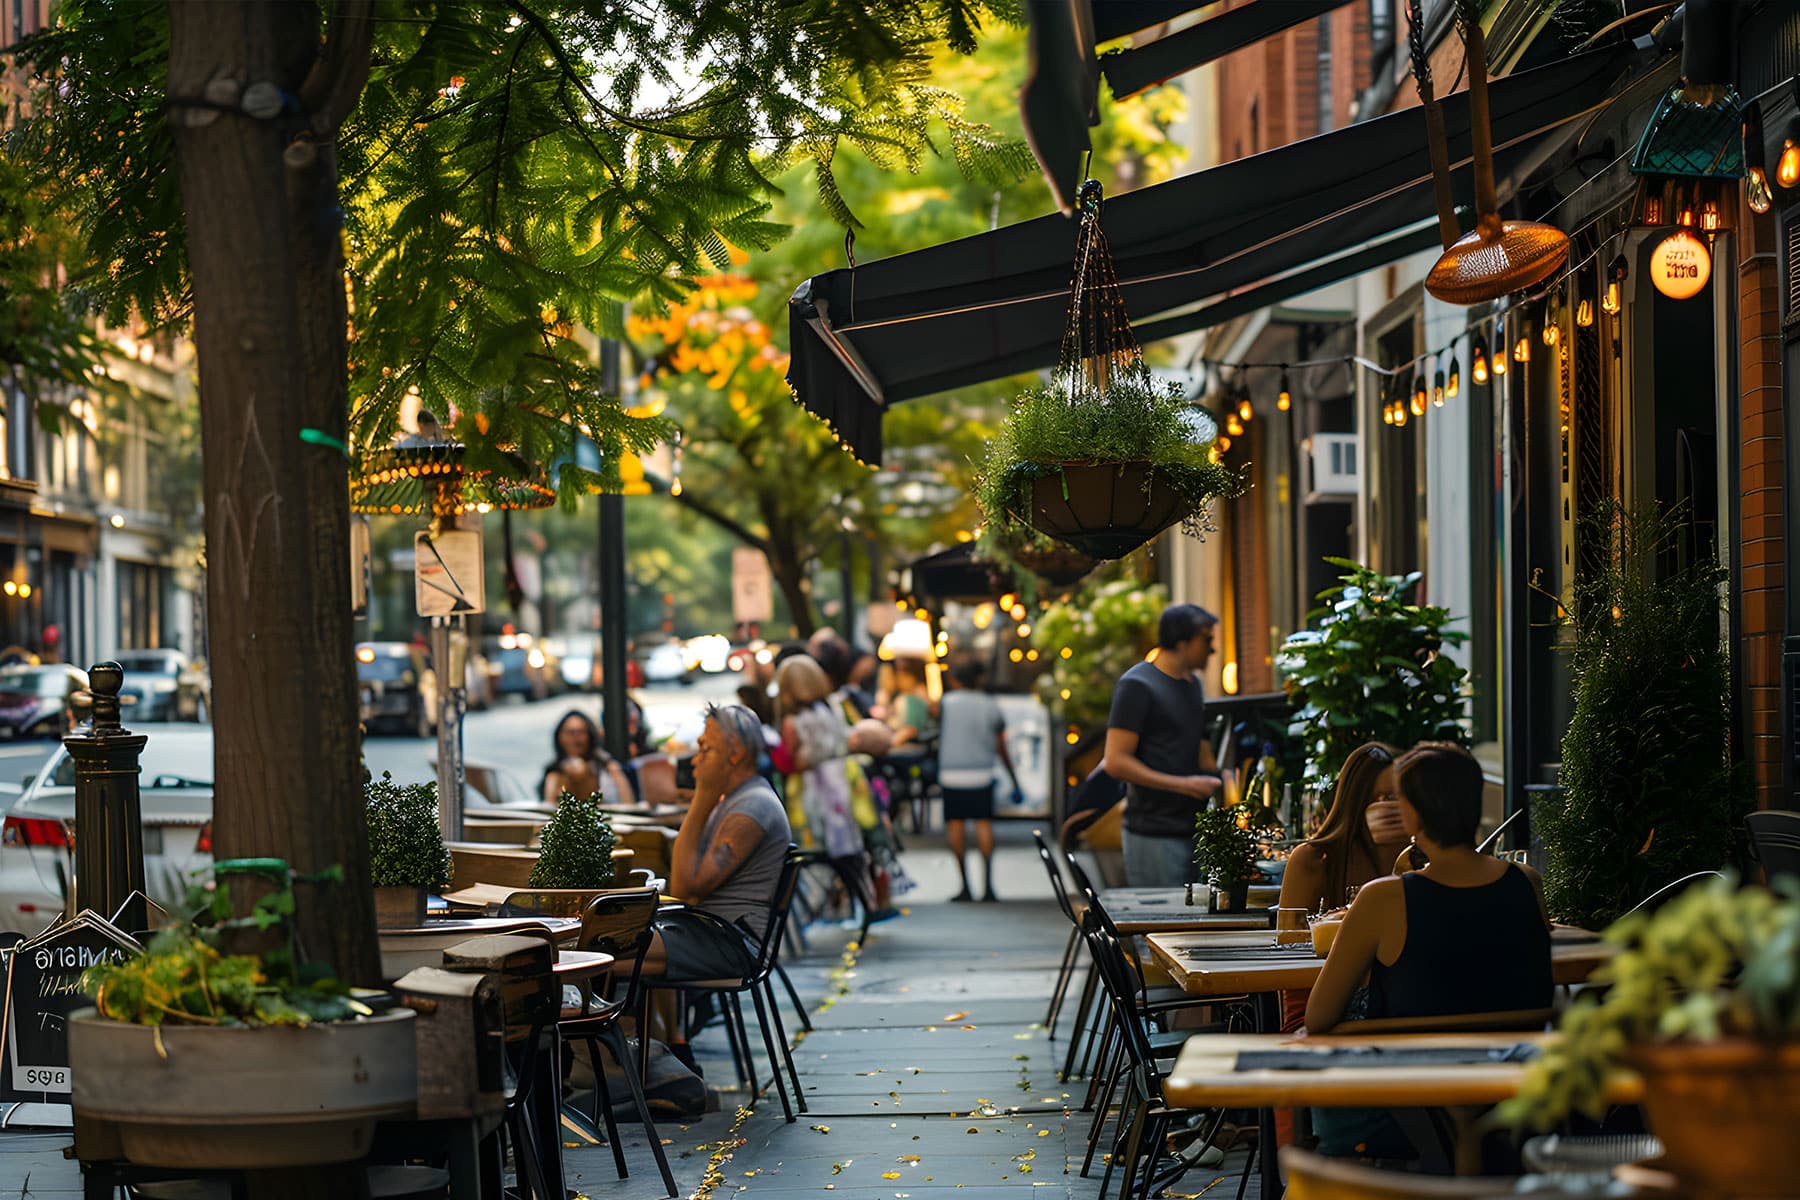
(1097, 341)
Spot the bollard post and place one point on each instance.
(109, 831)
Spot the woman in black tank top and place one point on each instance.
(1467, 934)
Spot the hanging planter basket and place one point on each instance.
(1105, 510)
(1103, 458)
(1056, 563)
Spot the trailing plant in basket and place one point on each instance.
(1224, 850)
(1717, 961)
(184, 978)
(578, 844)
(406, 842)
(1649, 792)
(1132, 420)
(1373, 671)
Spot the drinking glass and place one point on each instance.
(1290, 927)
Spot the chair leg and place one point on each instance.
(762, 1019)
(799, 1008)
(1129, 1115)
(735, 1018)
(1081, 1016)
(1111, 1048)
(616, 1042)
(603, 1112)
(1159, 1130)
(1100, 1111)
(1063, 972)
(738, 1053)
(787, 1054)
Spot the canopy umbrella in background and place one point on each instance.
(1190, 253)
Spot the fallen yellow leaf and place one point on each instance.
(955, 1016)
(890, 1174)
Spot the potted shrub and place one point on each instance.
(1104, 469)
(1372, 671)
(1225, 852)
(198, 1058)
(407, 857)
(578, 845)
(1704, 1005)
(1648, 789)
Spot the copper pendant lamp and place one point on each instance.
(1497, 257)
(424, 475)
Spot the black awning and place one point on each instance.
(1294, 218)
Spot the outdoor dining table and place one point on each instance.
(1165, 910)
(1234, 964)
(1266, 1071)
(423, 945)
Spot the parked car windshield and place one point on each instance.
(150, 664)
(168, 761)
(43, 682)
(387, 668)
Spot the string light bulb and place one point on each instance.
(1244, 411)
(1522, 351)
(1233, 426)
(1498, 363)
(1756, 190)
(1584, 313)
(1478, 365)
(1551, 332)
(1284, 400)
(1399, 414)
(1454, 385)
(1418, 396)
(1437, 391)
(1223, 444)
(1756, 177)
(1787, 167)
(1387, 414)
(1616, 272)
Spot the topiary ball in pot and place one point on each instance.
(406, 848)
(578, 846)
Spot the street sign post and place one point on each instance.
(448, 578)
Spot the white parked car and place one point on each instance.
(176, 799)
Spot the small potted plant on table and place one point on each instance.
(577, 859)
(1225, 852)
(407, 857)
(1704, 1005)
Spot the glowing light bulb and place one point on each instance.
(1478, 366)
(1756, 190)
(1223, 444)
(1245, 412)
(1400, 415)
(1285, 399)
(1584, 313)
(675, 486)
(1233, 426)
(1437, 391)
(1498, 364)
(1551, 333)
(1522, 351)
(1610, 302)
(1455, 384)
(1787, 167)
(1709, 217)
(1387, 414)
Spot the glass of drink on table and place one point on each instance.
(1290, 927)
(1324, 930)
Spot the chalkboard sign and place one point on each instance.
(43, 986)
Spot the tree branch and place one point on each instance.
(728, 523)
(335, 83)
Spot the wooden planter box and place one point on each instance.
(236, 1097)
(1725, 1112)
(1106, 510)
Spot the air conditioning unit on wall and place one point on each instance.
(1336, 465)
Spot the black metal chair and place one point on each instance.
(1065, 973)
(756, 982)
(1775, 834)
(1669, 891)
(621, 924)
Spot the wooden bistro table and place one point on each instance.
(1233, 964)
(1217, 1071)
(1165, 910)
(424, 945)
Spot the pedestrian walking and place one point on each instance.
(972, 742)
(1156, 746)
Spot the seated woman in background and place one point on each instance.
(581, 765)
(1468, 934)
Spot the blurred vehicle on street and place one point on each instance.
(399, 688)
(579, 659)
(665, 663)
(162, 685)
(519, 666)
(43, 701)
(710, 653)
(36, 841)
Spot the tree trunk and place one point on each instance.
(790, 577)
(264, 252)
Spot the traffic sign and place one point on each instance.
(448, 579)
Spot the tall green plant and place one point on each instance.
(1224, 851)
(1105, 628)
(578, 845)
(1373, 671)
(1649, 791)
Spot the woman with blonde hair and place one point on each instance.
(816, 739)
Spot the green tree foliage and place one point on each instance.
(515, 171)
(46, 342)
(1649, 791)
(1107, 627)
(1373, 671)
(577, 846)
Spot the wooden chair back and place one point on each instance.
(1314, 1177)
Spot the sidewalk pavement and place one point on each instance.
(928, 1074)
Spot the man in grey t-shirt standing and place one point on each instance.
(726, 862)
(1156, 746)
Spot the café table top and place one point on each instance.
(1165, 910)
(574, 965)
(1573, 957)
(468, 927)
(1206, 1075)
